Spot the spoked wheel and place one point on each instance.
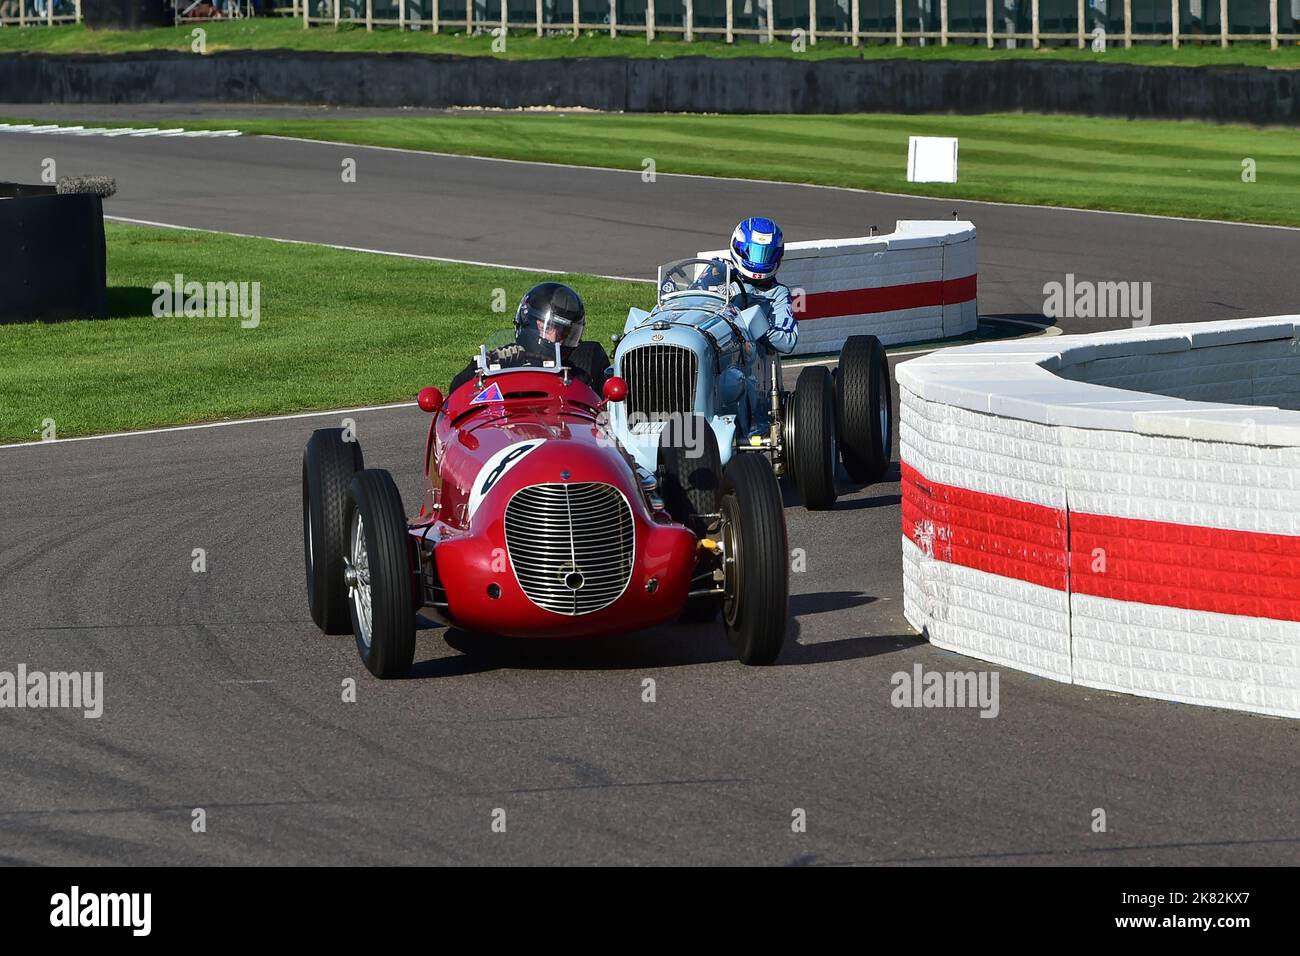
(377, 572)
(864, 408)
(813, 450)
(756, 581)
(328, 464)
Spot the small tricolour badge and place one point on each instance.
(490, 394)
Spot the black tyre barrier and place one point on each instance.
(52, 258)
(22, 190)
(125, 14)
(679, 84)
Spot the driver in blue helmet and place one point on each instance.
(756, 250)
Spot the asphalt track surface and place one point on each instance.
(221, 695)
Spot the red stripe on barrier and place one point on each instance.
(890, 298)
(986, 532)
(1242, 573)
(1248, 573)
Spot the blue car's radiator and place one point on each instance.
(660, 380)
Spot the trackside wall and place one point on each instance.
(1126, 540)
(915, 284)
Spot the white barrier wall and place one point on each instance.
(1136, 541)
(916, 284)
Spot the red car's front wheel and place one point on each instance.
(377, 572)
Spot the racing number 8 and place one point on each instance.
(517, 452)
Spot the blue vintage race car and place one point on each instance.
(703, 387)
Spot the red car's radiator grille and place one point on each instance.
(571, 545)
(660, 380)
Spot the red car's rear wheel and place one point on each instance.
(328, 464)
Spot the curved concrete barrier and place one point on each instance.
(915, 284)
(1118, 510)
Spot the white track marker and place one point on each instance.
(56, 130)
(204, 425)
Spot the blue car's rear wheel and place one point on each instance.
(814, 454)
(864, 408)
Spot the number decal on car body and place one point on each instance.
(496, 467)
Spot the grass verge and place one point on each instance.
(287, 33)
(337, 329)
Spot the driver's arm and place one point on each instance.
(464, 375)
(784, 333)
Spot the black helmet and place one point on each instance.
(549, 313)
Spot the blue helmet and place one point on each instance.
(757, 247)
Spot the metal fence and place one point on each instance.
(1033, 23)
(24, 13)
(992, 22)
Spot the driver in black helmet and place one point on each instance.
(549, 314)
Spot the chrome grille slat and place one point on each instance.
(556, 528)
(660, 380)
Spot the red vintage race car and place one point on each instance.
(536, 523)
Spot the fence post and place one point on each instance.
(22, 13)
(731, 21)
(650, 21)
(857, 20)
(1035, 27)
(539, 17)
(1175, 16)
(1128, 23)
(505, 19)
(370, 16)
(78, 11)
(401, 15)
(306, 13)
(988, 20)
(613, 18)
(1080, 16)
(943, 22)
(690, 20)
(1272, 24)
(575, 18)
(812, 22)
(435, 16)
(771, 25)
(336, 14)
(898, 22)
(469, 17)
(1223, 23)
(49, 13)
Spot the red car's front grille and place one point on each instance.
(571, 546)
